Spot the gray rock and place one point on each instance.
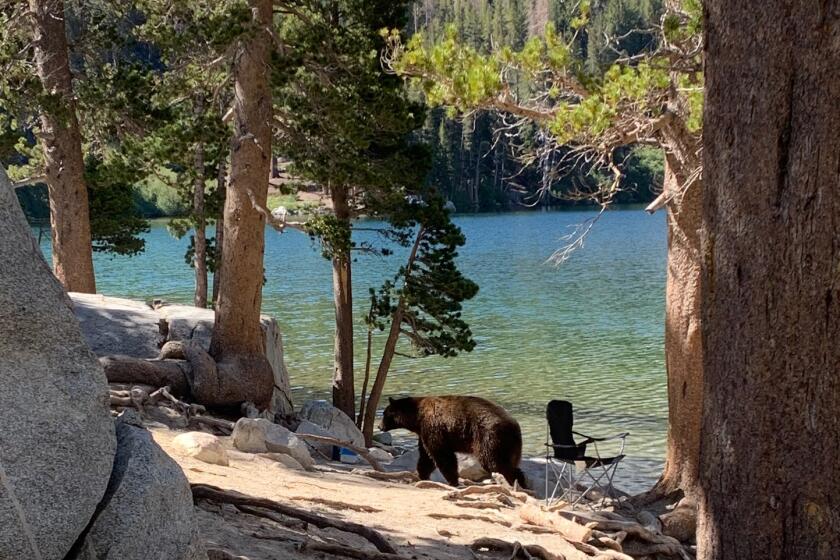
(308, 428)
(470, 469)
(405, 462)
(147, 512)
(57, 438)
(333, 420)
(257, 435)
(385, 438)
(116, 326)
(380, 455)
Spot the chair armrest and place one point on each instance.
(561, 446)
(590, 438)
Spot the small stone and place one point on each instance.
(202, 446)
(333, 421)
(385, 438)
(380, 455)
(470, 469)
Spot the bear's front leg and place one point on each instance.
(425, 465)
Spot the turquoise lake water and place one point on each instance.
(590, 331)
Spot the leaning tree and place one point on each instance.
(653, 98)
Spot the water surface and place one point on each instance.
(590, 331)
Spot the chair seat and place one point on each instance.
(593, 461)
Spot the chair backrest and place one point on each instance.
(560, 423)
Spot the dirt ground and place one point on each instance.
(420, 523)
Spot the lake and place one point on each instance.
(589, 331)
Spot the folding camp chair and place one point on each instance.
(576, 474)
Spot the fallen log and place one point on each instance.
(214, 494)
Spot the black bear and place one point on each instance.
(456, 423)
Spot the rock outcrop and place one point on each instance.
(147, 511)
(123, 327)
(57, 439)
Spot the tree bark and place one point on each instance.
(771, 282)
(343, 390)
(683, 348)
(200, 242)
(220, 230)
(237, 336)
(61, 140)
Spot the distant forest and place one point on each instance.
(476, 165)
(481, 169)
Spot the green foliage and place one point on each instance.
(430, 290)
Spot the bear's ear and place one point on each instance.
(390, 400)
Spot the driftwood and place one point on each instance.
(291, 523)
(398, 476)
(361, 451)
(213, 494)
(528, 551)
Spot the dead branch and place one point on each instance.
(361, 451)
(213, 494)
(487, 489)
(431, 484)
(291, 523)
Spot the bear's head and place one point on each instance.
(400, 413)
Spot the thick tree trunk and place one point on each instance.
(61, 140)
(237, 337)
(200, 256)
(683, 349)
(771, 282)
(343, 391)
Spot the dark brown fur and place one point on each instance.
(451, 424)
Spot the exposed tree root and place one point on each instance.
(335, 504)
(399, 476)
(190, 372)
(213, 494)
(340, 550)
(528, 551)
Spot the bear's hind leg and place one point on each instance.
(425, 465)
(447, 463)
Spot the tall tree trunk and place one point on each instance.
(61, 140)
(683, 357)
(771, 282)
(221, 187)
(200, 241)
(343, 391)
(237, 334)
